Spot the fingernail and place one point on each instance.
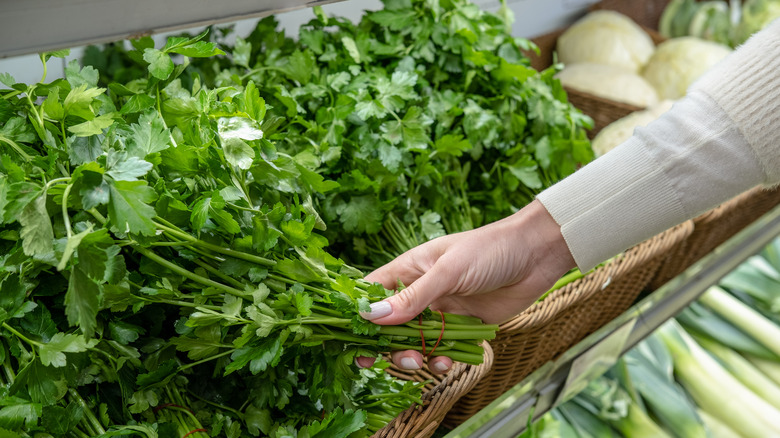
(409, 363)
(439, 367)
(378, 310)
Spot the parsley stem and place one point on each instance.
(176, 397)
(92, 420)
(237, 284)
(7, 368)
(43, 61)
(476, 333)
(172, 229)
(20, 336)
(258, 70)
(38, 118)
(208, 359)
(459, 356)
(178, 303)
(64, 135)
(237, 413)
(16, 147)
(389, 395)
(174, 243)
(321, 292)
(178, 242)
(65, 216)
(162, 119)
(187, 273)
(56, 181)
(11, 94)
(325, 310)
(337, 322)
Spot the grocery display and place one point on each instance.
(185, 224)
(711, 371)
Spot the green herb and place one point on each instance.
(427, 114)
(162, 272)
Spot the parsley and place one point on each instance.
(165, 265)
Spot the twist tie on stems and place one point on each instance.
(441, 335)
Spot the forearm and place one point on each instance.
(715, 143)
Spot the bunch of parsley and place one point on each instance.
(427, 113)
(162, 272)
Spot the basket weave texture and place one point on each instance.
(647, 13)
(550, 327)
(715, 227)
(602, 111)
(440, 395)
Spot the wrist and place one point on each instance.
(539, 231)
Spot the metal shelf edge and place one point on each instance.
(540, 392)
(33, 26)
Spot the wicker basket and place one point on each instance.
(715, 227)
(647, 13)
(602, 111)
(549, 328)
(440, 395)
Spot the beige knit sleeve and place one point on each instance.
(721, 139)
(747, 86)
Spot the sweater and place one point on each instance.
(721, 139)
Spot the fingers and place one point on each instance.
(410, 302)
(413, 360)
(407, 359)
(364, 361)
(440, 364)
(400, 269)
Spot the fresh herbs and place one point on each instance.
(427, 114)
(171, 226)
(161, 273)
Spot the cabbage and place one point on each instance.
(606, 37)
(711, 22)
(622, 129)
(678, 62)
(609, 82)
(757, 14)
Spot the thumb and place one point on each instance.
(410, 302)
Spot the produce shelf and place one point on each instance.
(508, 415)
(33, 26)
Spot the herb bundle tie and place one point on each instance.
(441, 334)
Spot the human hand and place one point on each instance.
(493, 272)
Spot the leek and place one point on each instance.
(665, 399)
(769, 368)
(715, 390)
(609, 401)
(715, 427)
(703, 322)
(748, 320)
(744, 371)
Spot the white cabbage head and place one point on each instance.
(606, 37)
(678, 62)
(609, 82)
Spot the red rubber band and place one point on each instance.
(441, 335)
(194, 431)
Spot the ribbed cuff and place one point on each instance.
(689, 160)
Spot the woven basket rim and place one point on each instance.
(603, 100)
(567, 296)
(417, 421)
